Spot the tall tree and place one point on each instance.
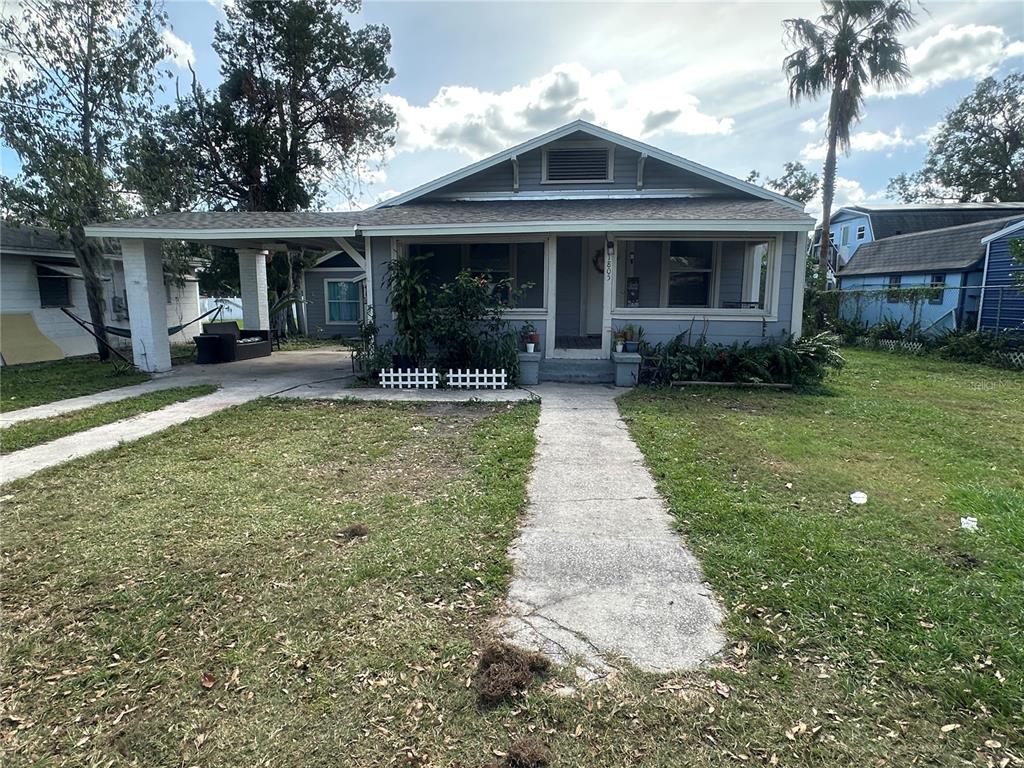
(79, 77)
(977, 154)
(300, 104)
(852, 46)
(795, 182)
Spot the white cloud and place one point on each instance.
(968, 52)
(863, 141)
(847, 192)
(480, 123)
(181, 52)
(809, 126)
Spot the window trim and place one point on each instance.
(359, 302)
(844, 235)
(714, 271)
(862, 232)
(609, 149)
(941, 285)
(769, 313)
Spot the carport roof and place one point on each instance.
(466, 216)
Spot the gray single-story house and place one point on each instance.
(605, 230)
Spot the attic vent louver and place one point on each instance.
(577, 164)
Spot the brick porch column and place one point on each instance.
(252, 272)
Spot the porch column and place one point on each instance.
(147, 304)
(252, 273)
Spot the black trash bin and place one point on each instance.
(208, 349)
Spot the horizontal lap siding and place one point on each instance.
(499, 178)
(316, 310)
(1009, 313)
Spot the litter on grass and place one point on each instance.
(970, 523)
(859, 497)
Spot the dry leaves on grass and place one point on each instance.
(504, 670)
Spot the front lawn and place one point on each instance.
(193, 598)
(26, 434)
(22, 386)
(888, 627)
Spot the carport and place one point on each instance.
(253, 236)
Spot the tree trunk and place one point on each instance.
(90, 261)
(828, 191)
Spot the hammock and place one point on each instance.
(126, 333)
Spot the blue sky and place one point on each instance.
(702, 80)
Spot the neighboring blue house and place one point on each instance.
(951, 259)
(855, 225)
(1002, 302)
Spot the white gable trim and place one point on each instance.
(1003, 232)
(601, 133)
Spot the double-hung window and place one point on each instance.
(343, 301)
(938, 282)
(862, 232)
(689, 272)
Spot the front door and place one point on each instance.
(579, 297)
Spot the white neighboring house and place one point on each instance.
(39, 277)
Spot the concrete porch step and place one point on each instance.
(577, 371)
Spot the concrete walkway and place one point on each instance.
(600, 576)
(283, 373)
(316, 374)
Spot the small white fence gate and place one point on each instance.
(408, 378)
(422, 378)
(477, 379)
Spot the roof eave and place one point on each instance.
(547, 227)
(1017, 226)
(223, 233)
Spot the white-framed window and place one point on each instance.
(54, 288)
(844, 236)
(862, 232)
(578, 163)
(689, 273)
(342, 301)
(938, 281)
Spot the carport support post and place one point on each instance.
(147, 304)
(252, 274)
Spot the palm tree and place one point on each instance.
(851, 46)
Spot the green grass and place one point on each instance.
(22, 386)
(212, 547)
(888, 614)
(25, 434)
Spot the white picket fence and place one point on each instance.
(477, 379)
(408, 378)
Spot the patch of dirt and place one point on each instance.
(353, 531)
(528, 752)
(963, 561)
(504, 670)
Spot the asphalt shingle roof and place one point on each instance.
(34, 239)
(949, 249)
(480, 212)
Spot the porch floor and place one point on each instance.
(578, 342)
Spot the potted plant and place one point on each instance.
(620, 340)
(630, 338)
(530, 337)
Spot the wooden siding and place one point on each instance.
(1008, 313)
(316, 308)
(658, 175)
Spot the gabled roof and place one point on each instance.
(600, 133)
(1017, 227)
(937, 250)
(902, 219)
